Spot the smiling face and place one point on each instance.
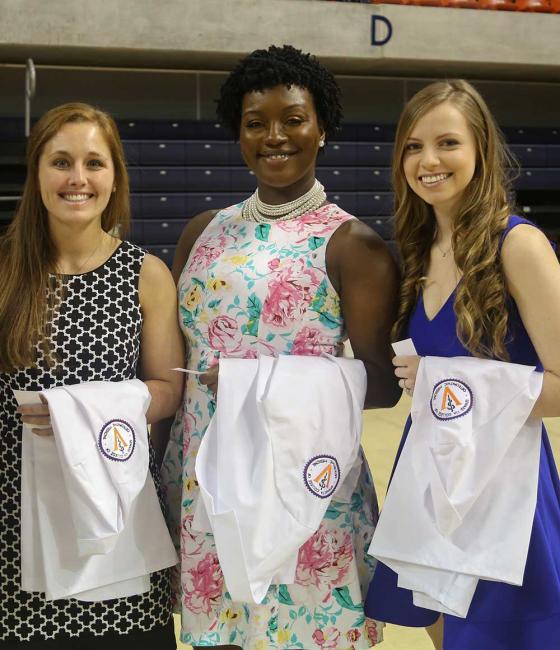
(440, 158)
(279, 137)
(76, 174)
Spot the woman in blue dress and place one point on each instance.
(477, 281)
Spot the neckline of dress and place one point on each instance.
(100, 266)
(439, 311)
(277, 221)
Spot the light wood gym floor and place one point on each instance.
(381, 436)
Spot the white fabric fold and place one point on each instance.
(284, 440)
(92, 526)
(461, 502)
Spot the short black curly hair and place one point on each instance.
(263, 69)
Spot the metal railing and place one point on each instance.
(30, 79)
(30, 86)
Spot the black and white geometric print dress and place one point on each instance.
(96, 337)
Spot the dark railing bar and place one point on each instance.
(30, 78)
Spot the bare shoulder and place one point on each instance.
(153, 269)
(354, 241)
(191, 232)
(356, 253)
(156, 281)
(525, 245)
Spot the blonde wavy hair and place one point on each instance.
(27, 253)
(481, 298)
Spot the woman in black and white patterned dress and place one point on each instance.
(77, 304)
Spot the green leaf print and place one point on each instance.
(284, 596)
(329, 320)
(359, 621)
(186, 317)
(332, 513)
(262, 231)
(251, 328)
(320, 297)
(254, 306)
(327, 307)
(315, 242)
(272, 626)
(214, 303)
(342, 597)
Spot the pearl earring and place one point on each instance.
(321, 142)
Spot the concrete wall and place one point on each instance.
(183, 48)
(211, 34)
(190, 95)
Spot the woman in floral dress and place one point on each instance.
(298, 281)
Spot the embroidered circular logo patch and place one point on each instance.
(451, 398)
(321, 475)
(117, 440)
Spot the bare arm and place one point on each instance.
(191, 232)
(161, 348)
(365, 275)
(161, 340)
(533, 278)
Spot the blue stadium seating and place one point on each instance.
(180, 168)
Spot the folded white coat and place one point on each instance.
(92, 527)
(461, 502)
(284, 440)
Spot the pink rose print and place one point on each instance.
(274, 263)
(202, 585)
(224, 334)
(209, 249)
(371, 630)
(325, 558)
(289, 294)
(318, 223)
(327, 638)
(188, 421)
(191, 542)
(353, 635)
(309, 341)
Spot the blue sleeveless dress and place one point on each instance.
(501, 616)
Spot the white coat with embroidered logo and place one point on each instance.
(92, 527)
(284, 440)
(461, 502)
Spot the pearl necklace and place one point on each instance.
(255, 210)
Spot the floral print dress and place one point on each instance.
(251, 289)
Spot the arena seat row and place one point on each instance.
(200, 152)
(344, 179)
(147, 205)
(12, 129)
(167, 159)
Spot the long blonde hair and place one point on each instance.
(27, 253)
(481, 296)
